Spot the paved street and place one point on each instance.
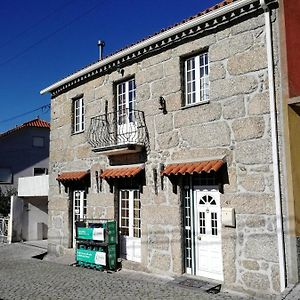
(23, 277)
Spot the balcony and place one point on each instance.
(33, 186)
(119, 132)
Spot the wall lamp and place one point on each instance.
(162, 104)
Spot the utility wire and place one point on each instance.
(44, 109)
(28, 29)
(49, 35)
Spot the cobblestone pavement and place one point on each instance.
(23, 277)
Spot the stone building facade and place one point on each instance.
(172, 137)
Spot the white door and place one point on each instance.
(208, 247)
(130, 224)
(127, 130)
(79, 209)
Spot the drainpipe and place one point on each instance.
(275, 158)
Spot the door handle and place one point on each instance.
(199, 237)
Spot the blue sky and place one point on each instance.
(44, 41)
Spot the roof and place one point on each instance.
(127, 53)
(193, 167)
(37, 123)
(72, 176)
(122, 172)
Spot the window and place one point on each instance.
(40, 171)
(196, 79)
(78, 115)
(38, 141)
(126, 101)
(5, 175)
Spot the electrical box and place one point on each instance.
(228, 217)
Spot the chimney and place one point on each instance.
(101, 45)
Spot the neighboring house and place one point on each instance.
(24, 162)
(182, 139)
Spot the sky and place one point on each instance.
(45, 41)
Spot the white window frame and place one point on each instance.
(196, 72)
(126, 97)
(78, 115)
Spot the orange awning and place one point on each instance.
(72, 176)
(122, 172)
(193, 167)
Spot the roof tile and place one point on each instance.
(122, 172)
(72, 176)
(193, 167)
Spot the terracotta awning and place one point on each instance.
(72, 176)
(193, 167)
(122, 172)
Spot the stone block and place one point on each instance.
(250, 265)
(250, 203)
(143, 92)
(248, 128)
(164, 123)
(259, 104)
(275, 276)
(174, 101)
(172, 67)
(216, 71)
(222, 34)
(248, 25)
(176, 249)
(256, 281)
(166, 215)
(161, 261)
(83, 151)
(231, 46)
(253, 182)
(150, 74)
(234, 108)
(208, 135)
(202, 154)
(262, 247)
(229, 254)
(198, 114)
(159, 241)
(168, 140)
(254, 152)
(225, 88)
(231, 187)
(255, 221)
(156, 59)
(250, 61)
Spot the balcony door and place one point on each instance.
(127, 129)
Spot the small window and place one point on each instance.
(78, 115)
(196, 71)
(6, 175)
(40, 171)
(38, 141)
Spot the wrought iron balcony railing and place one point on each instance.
(117, 129)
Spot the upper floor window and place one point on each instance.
(126, 101)
(40, 171)
(196, 79)
(78, 115)
(5, 175)
(38, 141)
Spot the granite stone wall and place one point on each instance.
(234, 124)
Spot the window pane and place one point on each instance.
(5, 175)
